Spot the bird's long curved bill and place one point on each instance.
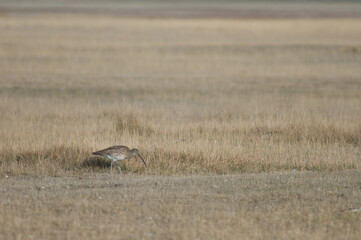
(142, 159)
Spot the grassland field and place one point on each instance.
(251, 128)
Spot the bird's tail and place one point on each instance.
(96, 153)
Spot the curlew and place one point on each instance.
(118, 153)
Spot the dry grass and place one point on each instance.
(243, 206)
(195, 96)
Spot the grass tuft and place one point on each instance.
(131, 124)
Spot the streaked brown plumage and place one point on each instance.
(118, 153)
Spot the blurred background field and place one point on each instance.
(190, 8)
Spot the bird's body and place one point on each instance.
(118, 153)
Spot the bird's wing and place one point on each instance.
(110, 150)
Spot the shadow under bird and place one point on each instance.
(118, 153)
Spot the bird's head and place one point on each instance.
(135, 152)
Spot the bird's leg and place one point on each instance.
(120, 171)
(111, 166)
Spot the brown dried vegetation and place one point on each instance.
(224, 96)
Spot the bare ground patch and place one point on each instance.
(248, 206)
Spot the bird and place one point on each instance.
(118, 153)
